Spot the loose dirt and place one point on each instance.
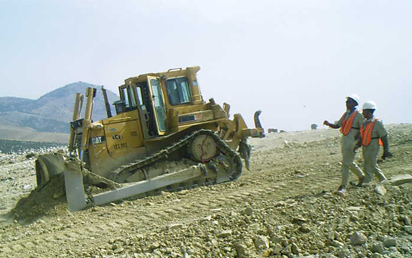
(285, 206)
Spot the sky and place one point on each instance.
(296, 60)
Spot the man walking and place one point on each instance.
(372, 134)
(349, 125)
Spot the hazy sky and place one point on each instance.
(294, 60)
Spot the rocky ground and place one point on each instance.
(285, 206)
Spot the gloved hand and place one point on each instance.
(386, 154)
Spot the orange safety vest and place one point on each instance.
(366, 133)
(347, 124)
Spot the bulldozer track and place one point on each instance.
(150, 160)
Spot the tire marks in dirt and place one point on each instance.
(97, 231)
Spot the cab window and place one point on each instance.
(178, 91)
(158, 104)
(129, 99)
(140, 96)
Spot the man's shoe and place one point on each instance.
(341, 190)
(360, 182)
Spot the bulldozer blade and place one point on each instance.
(48, 166)
(77, 199)
(75, 194)
(149, 185)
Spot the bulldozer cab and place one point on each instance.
(147, 98)
(154, 95)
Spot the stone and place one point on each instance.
(118, 250)
(295, 249)
(154, 245)
(405, 247)
(6, 249)
(227, 249)
(277, 248)
(276, 239)
(214, 242)
(287, 250)
(241, 249)
(299, 220)
(406, 220)
(354, 208)
(224, 233)
(377, 248)
(320, 245)
(389, 242)
(207, 218)
(380, 189)
(336, 243)
(408, 229)
(358, 238)
(261, 242)
(305, 228)
(393, 249)
(400, 179)
(174, 226)
(343, 253)
(331, 235)
(248, 211)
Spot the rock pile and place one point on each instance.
(364, 224)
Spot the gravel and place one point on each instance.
(285, 206)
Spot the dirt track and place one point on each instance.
(283, 207)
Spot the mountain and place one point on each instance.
(51, 113)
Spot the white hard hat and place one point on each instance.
(354, 97)
(369, 105)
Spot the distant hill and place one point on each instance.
(51, 113)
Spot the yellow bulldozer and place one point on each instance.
(164, 136)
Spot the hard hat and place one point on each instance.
(369, 105)
(354, 97)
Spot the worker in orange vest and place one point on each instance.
(373, 134)
(349, 125)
